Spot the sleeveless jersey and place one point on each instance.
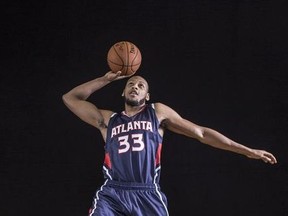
(133, 147)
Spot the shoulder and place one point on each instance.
(160, 107)
(106, 113)
(163, 111)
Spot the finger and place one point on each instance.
(272, 159)
(268, 160)
(118, 73)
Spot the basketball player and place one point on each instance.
(133, 142)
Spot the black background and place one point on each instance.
(220, 64)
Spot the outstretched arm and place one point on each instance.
(76, 101)
(174, 122)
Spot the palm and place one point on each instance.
(115, 76)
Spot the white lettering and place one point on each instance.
(136, 125)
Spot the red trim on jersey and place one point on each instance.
(107, 160)
(158, 155)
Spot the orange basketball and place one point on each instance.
(124, 56)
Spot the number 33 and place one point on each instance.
(137, 145)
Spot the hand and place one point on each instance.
(263, 155)
(111, 76)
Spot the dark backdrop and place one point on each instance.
(221, 64)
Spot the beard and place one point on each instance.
(133, 103)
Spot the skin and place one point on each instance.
(136, 92)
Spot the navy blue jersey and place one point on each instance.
(133, 147)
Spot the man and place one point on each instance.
(133, 141)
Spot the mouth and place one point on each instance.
(133, 93)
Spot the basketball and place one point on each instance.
(124, 56)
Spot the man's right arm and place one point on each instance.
(76, 101)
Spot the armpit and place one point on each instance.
(163, 124)
(102, 124)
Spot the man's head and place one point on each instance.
(136, 91)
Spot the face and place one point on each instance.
(136, 91)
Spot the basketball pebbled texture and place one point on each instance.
(124, 56)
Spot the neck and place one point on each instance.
(132, 110)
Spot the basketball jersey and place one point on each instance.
(133, 147)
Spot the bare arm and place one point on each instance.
(76, 101)
(174, 122)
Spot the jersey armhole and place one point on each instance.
(113, 115)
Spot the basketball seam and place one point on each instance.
(119, 58)
(123, 64)
(134, 60)
(127, 57)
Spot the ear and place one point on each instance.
(147, 97)
(122, 94)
